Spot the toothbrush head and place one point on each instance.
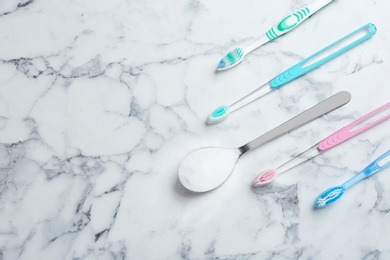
(231, 59)
(264, 178)
(219, 114)
(329, 196)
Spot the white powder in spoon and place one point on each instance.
(207, 168)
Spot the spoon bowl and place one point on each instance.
(206, 168)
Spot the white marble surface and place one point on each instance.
(101, 100)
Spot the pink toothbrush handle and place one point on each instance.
(368, 121)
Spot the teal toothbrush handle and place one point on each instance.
(379, 164)
(293, 20)
(298, 70)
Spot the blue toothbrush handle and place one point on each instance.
(379, 164)
(298, 70)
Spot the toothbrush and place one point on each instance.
(359, 126)
(285, 25)
(333, 194)
(301, 68)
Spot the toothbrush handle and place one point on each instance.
(298, 69)
(359, 126)
(293, 20)
(288, 23)
(379, 164)
(312, 113)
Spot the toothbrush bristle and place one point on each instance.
(264, 178)
(329, 196)
(231, 59)
(218, 115)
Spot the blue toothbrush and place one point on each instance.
(314, 61)
(331, 195)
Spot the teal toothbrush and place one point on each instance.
(285, 25)
(331, 195)
(312, 62)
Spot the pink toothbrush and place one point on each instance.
(359, 126)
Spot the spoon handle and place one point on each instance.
(312, 113)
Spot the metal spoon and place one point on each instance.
(207, 168)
